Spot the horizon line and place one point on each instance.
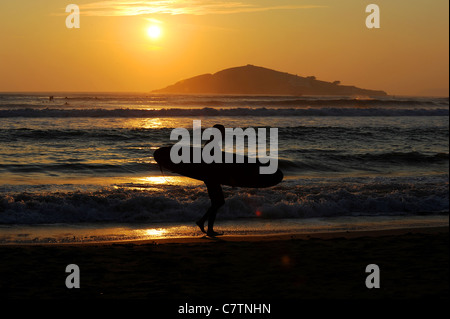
(206, 94)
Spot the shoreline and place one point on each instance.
(268, 237)
(255, 229)
(298, 236)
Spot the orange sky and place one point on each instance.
(112, 51)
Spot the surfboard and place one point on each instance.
(246, 174)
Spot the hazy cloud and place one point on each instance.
(193, 7)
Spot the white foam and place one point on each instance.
(178, 203)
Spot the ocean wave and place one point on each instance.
(162, 134)
(283, 101)
(233, 112)
(152, 203)
(104, 134)
(83, 168)
(291, 162)
(356, 102)
(16, 100)
(319, 162)
(385, 157)
(303, 163)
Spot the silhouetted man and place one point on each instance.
(216, 195)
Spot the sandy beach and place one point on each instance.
(414, 263)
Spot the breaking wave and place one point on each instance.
(136, 203)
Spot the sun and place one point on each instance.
(154, 32)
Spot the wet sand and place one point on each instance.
(414, 263)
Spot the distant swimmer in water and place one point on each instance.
(50, 98)
(216, 196)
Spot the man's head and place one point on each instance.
(221, 128)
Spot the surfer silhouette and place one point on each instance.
(214, 175)
(216, 196)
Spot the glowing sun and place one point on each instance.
(154, 32)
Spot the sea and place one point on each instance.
(79, 167)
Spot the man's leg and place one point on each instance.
(217, 200)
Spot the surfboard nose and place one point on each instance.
(157, 155)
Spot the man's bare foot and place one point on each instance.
(212, 233)
(201, 225)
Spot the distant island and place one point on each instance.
(252, 79)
